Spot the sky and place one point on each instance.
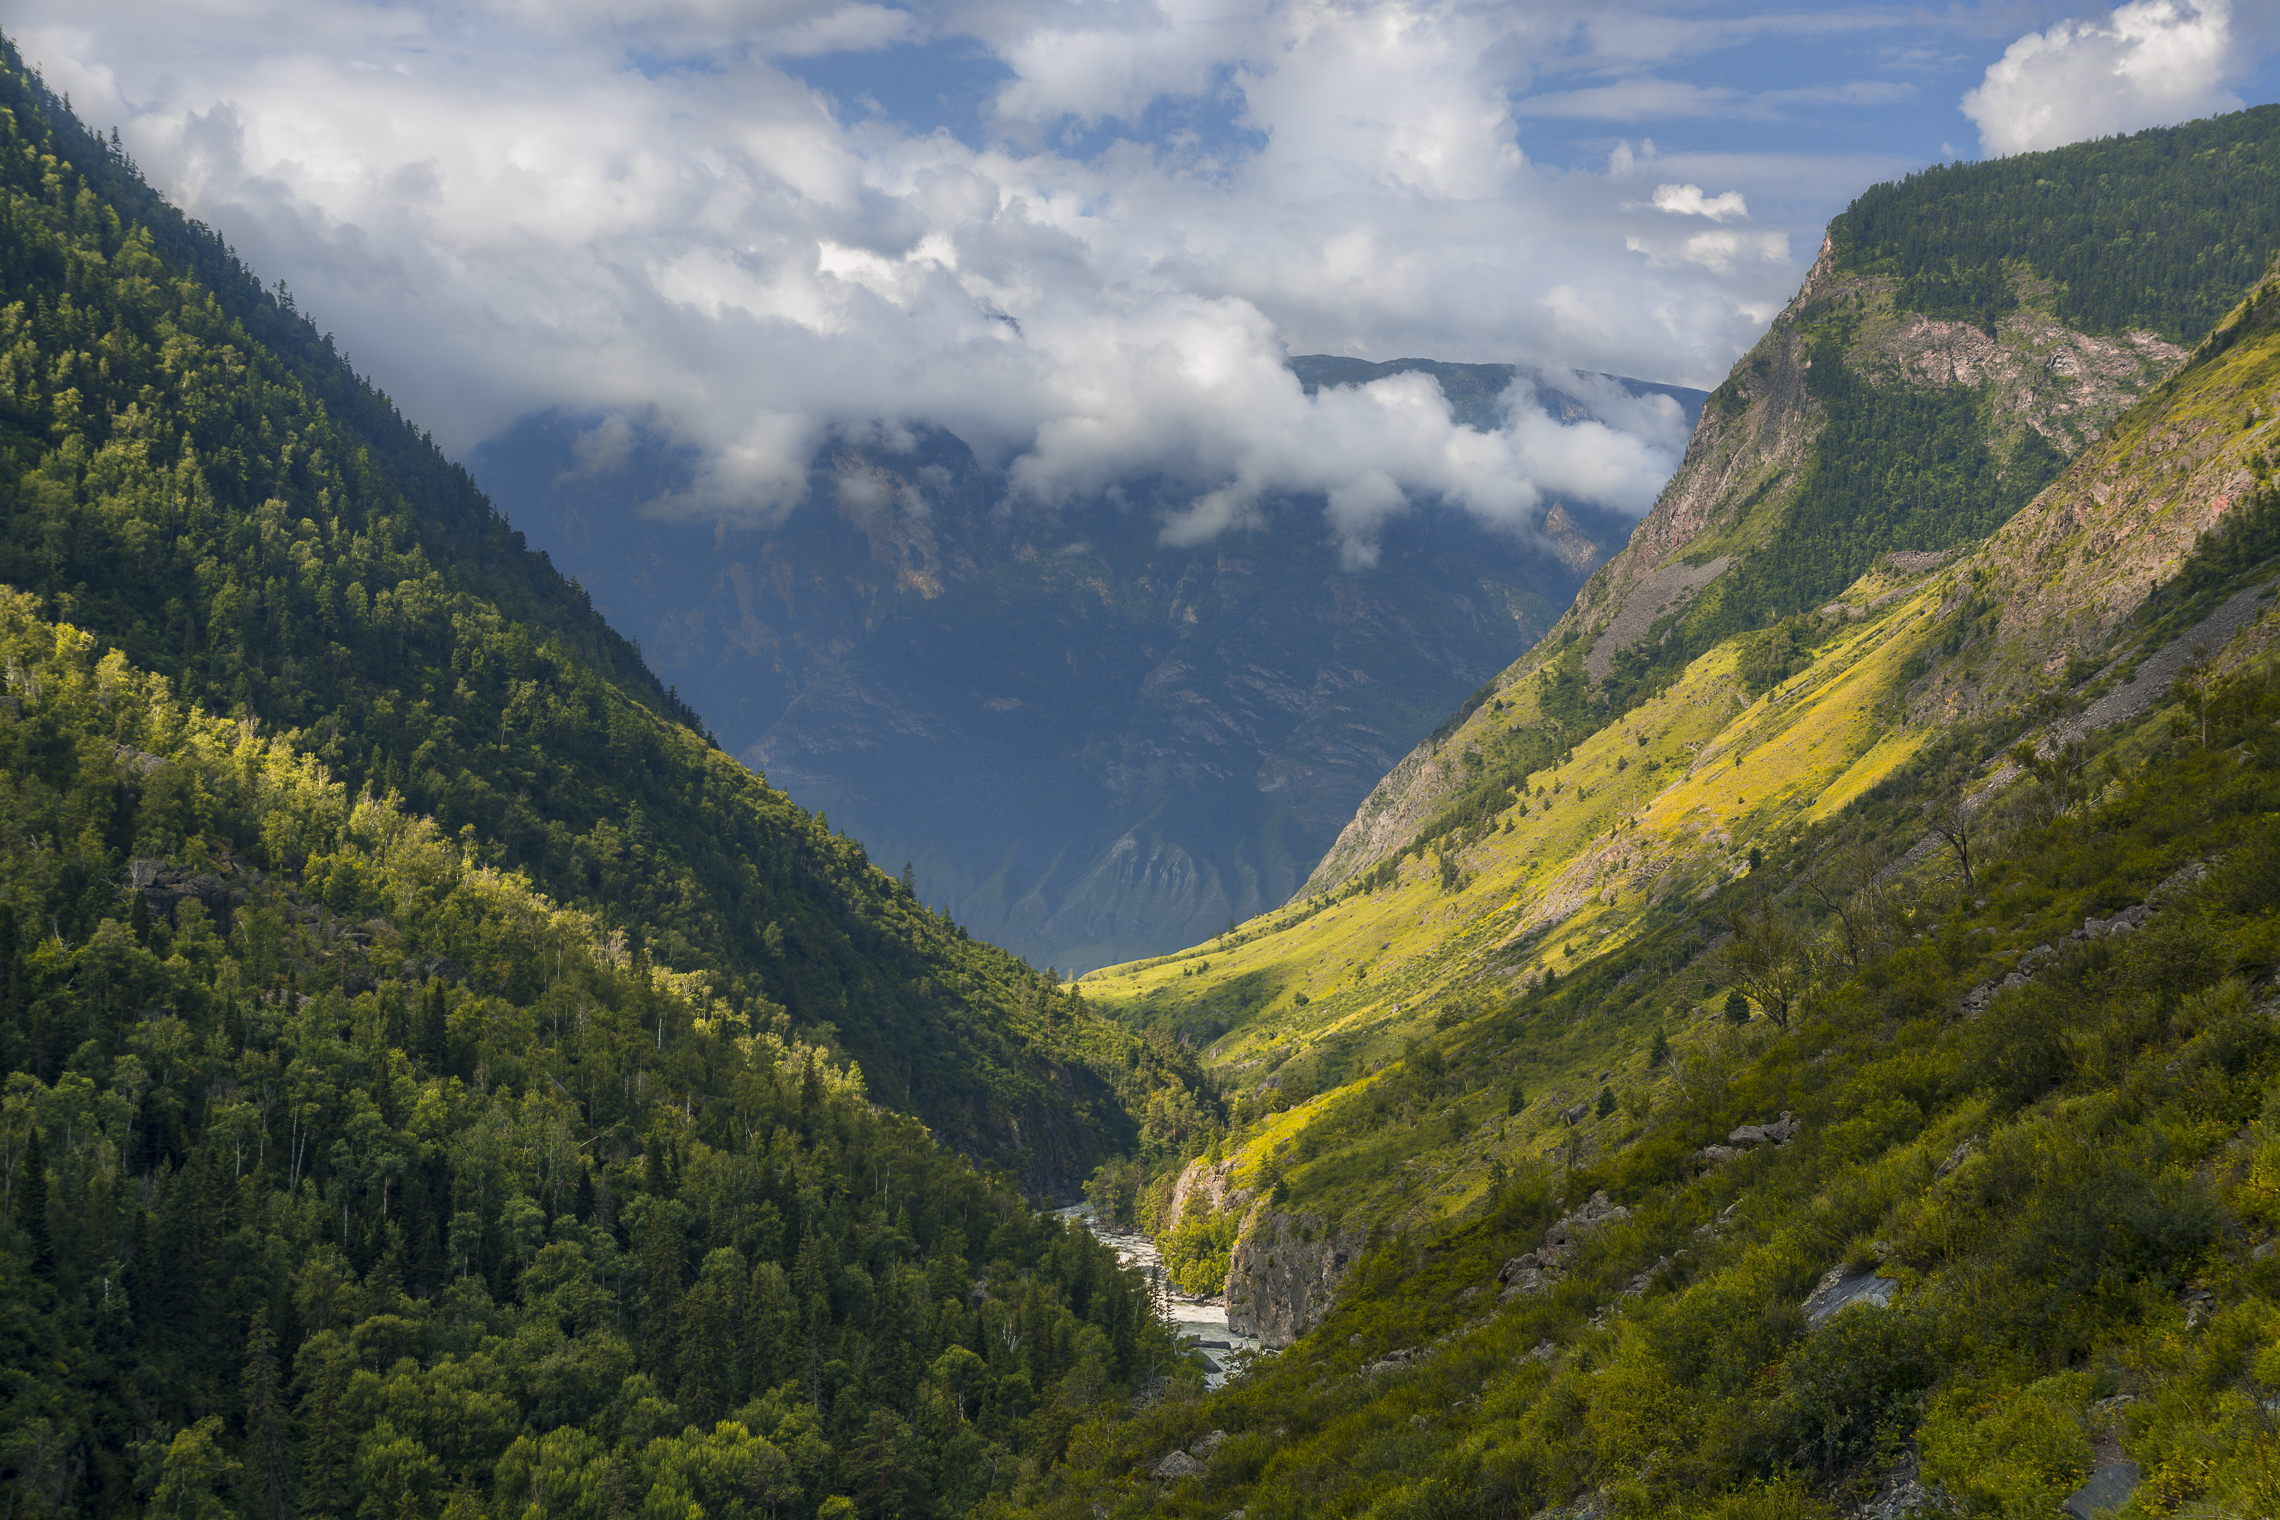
(1083, 235)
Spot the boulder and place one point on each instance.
(1842, 1287)
(1173, 1466)
(1544, 1267)
(2110, 1486)
(1202, 1448)
(1777, 1132)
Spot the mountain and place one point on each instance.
(1090, 744)
(196, 479)
(1932, 375)
(1805, 1049)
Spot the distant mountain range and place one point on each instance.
(1090, 745)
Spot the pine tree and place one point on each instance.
(267, 1447)
(31, 1210)
(661, 1282)
(811, 1092)
(11, 963)
(435, 1028)
(327, 1442)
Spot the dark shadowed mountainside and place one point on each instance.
(1090, 744)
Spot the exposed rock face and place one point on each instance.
(2109, 1488)
(1210, 1188)
(166, 886)
(1745, 465)
(1842, 1287)
(1283, 1275)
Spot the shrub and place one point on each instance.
(1849, 1389)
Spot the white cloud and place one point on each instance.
(2149, 63)
(1688, 200)
(630, 209)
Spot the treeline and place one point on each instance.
(189, 474)
(2161, 230)
(302, 1220)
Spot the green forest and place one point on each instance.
(440, 1080)
(2160, 230)
(188, 472)
(306, 1222)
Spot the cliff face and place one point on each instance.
(2039, 388)
(1284, 1274)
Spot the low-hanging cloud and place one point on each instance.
(2149, 63)
(633, 209)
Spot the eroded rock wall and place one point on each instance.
(1284, 1274)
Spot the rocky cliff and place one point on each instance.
(1284, 1274)
(2041, 393)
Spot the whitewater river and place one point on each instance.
(1201, 1320)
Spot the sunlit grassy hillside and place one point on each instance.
(1979, 894)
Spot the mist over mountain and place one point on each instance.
(1093, 735)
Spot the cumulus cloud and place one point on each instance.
(636, 210)
(1688, 200)
(2147, 64)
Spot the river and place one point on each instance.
(1200, 1321)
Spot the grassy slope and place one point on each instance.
(1637, 835)
(1768, 483)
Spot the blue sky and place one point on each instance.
(1081, 234)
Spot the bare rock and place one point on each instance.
(1840, 1288)
(1957, 1157)
(1173, 1466)
(1204, 1446)
(1283, 1275)
(2109, 1488)
(1903, 1493)
(1543, 1268)
(1778, 1132)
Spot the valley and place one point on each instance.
(1797, 1037)
(1643, 884)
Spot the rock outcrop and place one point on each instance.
(1206, 1186)
(1283, 1275)
(1542, 1269)
(1842, 1287)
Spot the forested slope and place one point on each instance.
(294, 1228)
(196, 478)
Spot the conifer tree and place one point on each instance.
(267, 1445)
(31, 1216)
